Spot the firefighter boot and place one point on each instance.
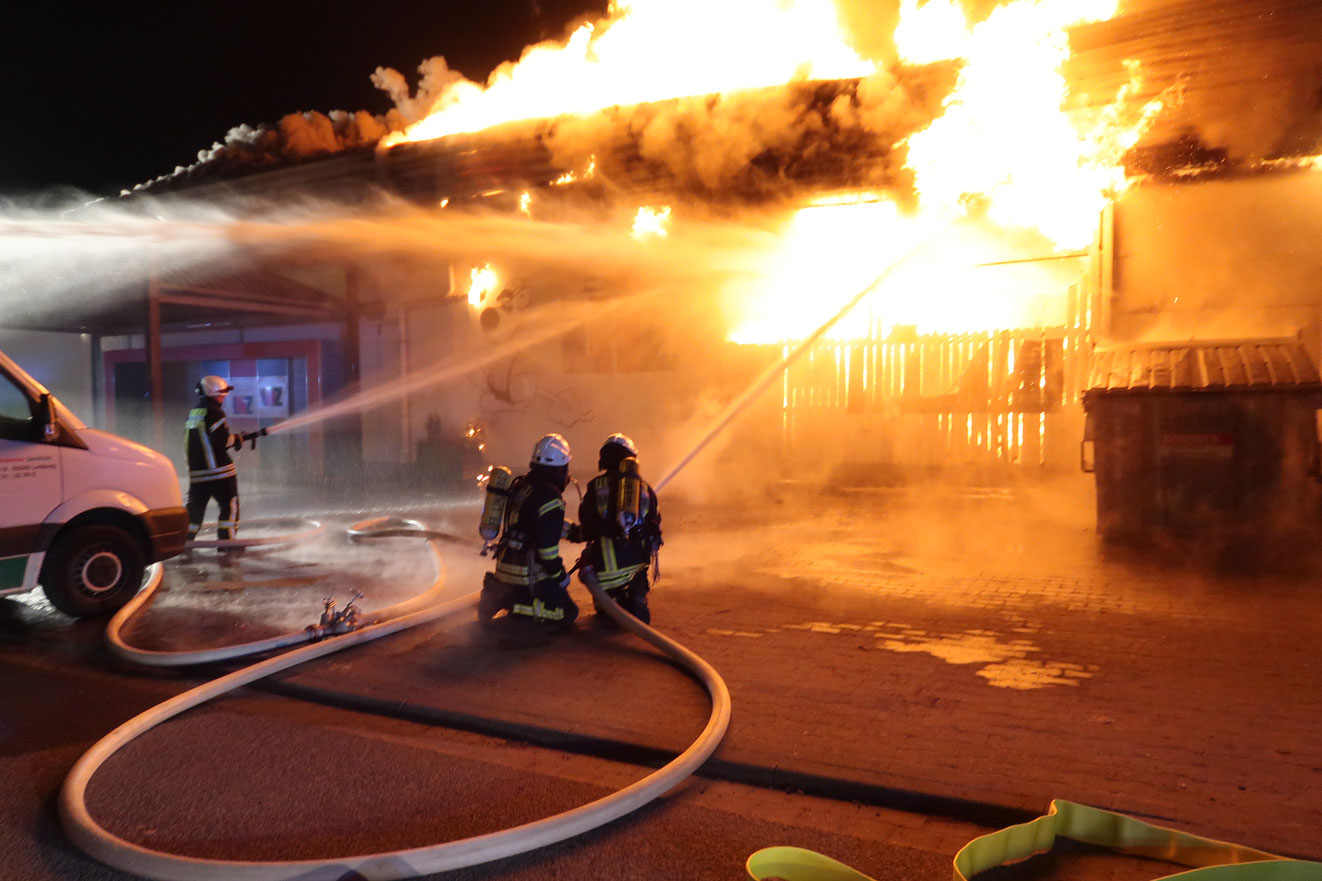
(491, 600)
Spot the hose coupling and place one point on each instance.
(334, 622)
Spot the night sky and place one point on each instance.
(102, 96)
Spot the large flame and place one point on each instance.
(483, 282)
(956, 281)
(1004, 144)
(651, 50)
(828, 253)
(1004, 156)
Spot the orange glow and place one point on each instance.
(1004, 143)
(957, 283)
(570, 177)
(1005, 156)
(1006, 172)
(934, 31)
(826, 255)
(483, 282)
(651, 222)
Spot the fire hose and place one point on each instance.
(376, 528)
(147, 657)
(310, 528)
(112, 850)
(1211, 860)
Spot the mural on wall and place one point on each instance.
(513, 388)
(243, 400)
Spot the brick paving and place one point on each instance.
(932, 649)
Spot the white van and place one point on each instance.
(82, 512)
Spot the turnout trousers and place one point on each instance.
(226, 493)
(632, 597)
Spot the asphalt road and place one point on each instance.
(256, 776)
(262, 776)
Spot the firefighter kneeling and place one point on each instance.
(530, 579)
(622, 526)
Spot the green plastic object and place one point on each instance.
(799, 864)
(1208, 859)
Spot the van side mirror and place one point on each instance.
(46, 412)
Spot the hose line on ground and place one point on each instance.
(409, 863)
(312, 528)
(380, 526)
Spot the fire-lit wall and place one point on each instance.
(1224, 257)
(662, 383)
(912, 404)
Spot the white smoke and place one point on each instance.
(296, 136)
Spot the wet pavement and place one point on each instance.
(968, 651)
(209, 598)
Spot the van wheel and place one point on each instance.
(92, 570)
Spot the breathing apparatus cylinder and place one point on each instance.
(628, 496)
(499, 481)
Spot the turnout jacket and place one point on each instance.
(614, 558)
(535, 517)
(208, 439)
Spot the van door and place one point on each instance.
(30, 484)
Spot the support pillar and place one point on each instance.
(98, 365)
(155, 369)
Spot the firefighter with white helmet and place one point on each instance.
(621, 523)
(530, 578)
(211, 471)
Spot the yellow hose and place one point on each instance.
(1211, 860)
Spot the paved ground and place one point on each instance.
(974, 652)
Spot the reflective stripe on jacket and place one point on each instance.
(615, 558)
(531, 549)
(207, 440)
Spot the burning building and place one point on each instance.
(1002, 189)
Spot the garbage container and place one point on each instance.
(1198, 437)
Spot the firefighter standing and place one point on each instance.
(211, 472)
(530, 578)
(619, 553)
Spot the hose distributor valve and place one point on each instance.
(335, 622)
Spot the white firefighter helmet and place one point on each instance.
(552, 450)
(213, 387)
(622, 440)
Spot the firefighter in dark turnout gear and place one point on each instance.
(620, 553)
(211, 472)
(530, 578)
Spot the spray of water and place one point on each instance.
(66, 259)
(759, 385)
(546, 325)
(665, 276)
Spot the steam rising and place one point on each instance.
(854, 120)
(587, 270)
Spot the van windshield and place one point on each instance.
(17, 421)
(18, 410)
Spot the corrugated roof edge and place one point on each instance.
(1272, 364)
